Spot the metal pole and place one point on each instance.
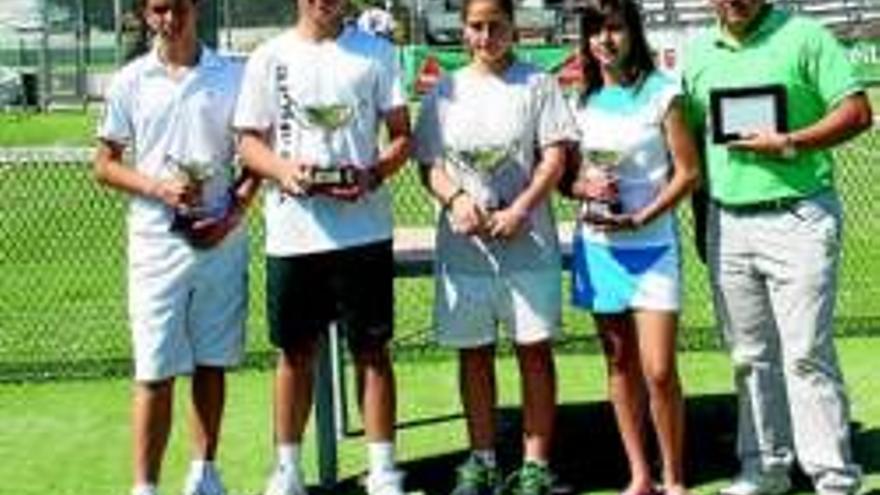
(117, 26)
(340, 409)
(413, 22)
(45, 73)
(207, 25)
(325, 429)
(80, 50)
(227, 24)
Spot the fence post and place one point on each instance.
(330, 415)
(208, 23)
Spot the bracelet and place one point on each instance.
(451, 199)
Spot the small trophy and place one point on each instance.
(482, 163)
(600, 164)
(329, 119)
(198, 174)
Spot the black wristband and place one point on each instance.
(452, 197)
(374, 179)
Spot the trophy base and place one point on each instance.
(333, 177)
(182, 223)
(598, 210)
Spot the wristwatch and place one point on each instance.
(789, 150)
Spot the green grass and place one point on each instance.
(65, 128)
(72, 438)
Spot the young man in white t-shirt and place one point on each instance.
(311, 106)
(187, 249)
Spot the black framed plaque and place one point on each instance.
(737, 112)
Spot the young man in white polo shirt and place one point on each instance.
(187, 252)
(312, 102)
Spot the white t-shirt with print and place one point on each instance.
(286, 81)
(168, 122)
(518, 113)
(629, 120)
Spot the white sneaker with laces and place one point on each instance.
(385, 483)
(766, 483)
(286, 480)
(203, 481)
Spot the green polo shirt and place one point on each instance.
(794, 51)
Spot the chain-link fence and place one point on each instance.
(62, 267)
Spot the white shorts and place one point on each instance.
(187, 307)
(468, 308)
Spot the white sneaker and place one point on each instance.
(766, 483)
(204, 481)
(145, 490)
(385, 483)
(286, 480)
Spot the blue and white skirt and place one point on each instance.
(609, 279)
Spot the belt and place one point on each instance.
(766, 206)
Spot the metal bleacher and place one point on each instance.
(671, 13)
(554, 22)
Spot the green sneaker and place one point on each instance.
(475, 478)
(531, 479)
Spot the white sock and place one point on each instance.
(486, 457)
(288, 455)
(381, 455)
(144, 489)
(535, 460)
(200, 465)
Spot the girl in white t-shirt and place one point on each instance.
(626, 268)
(490, 144)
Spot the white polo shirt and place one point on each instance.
(288, 75)
(165, 120)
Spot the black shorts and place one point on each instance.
(352, 286)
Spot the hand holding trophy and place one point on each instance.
(596, 185)
(330, 176)
(477, 166)
(210, 214)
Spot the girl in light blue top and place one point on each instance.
(626, 257)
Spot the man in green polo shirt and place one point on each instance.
(773, 232)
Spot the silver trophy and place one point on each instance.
(328, 119)
(478, 165)
(204, 178)
(601, 164)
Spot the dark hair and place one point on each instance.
(135, 28)
(507, 6)
(594, 15)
